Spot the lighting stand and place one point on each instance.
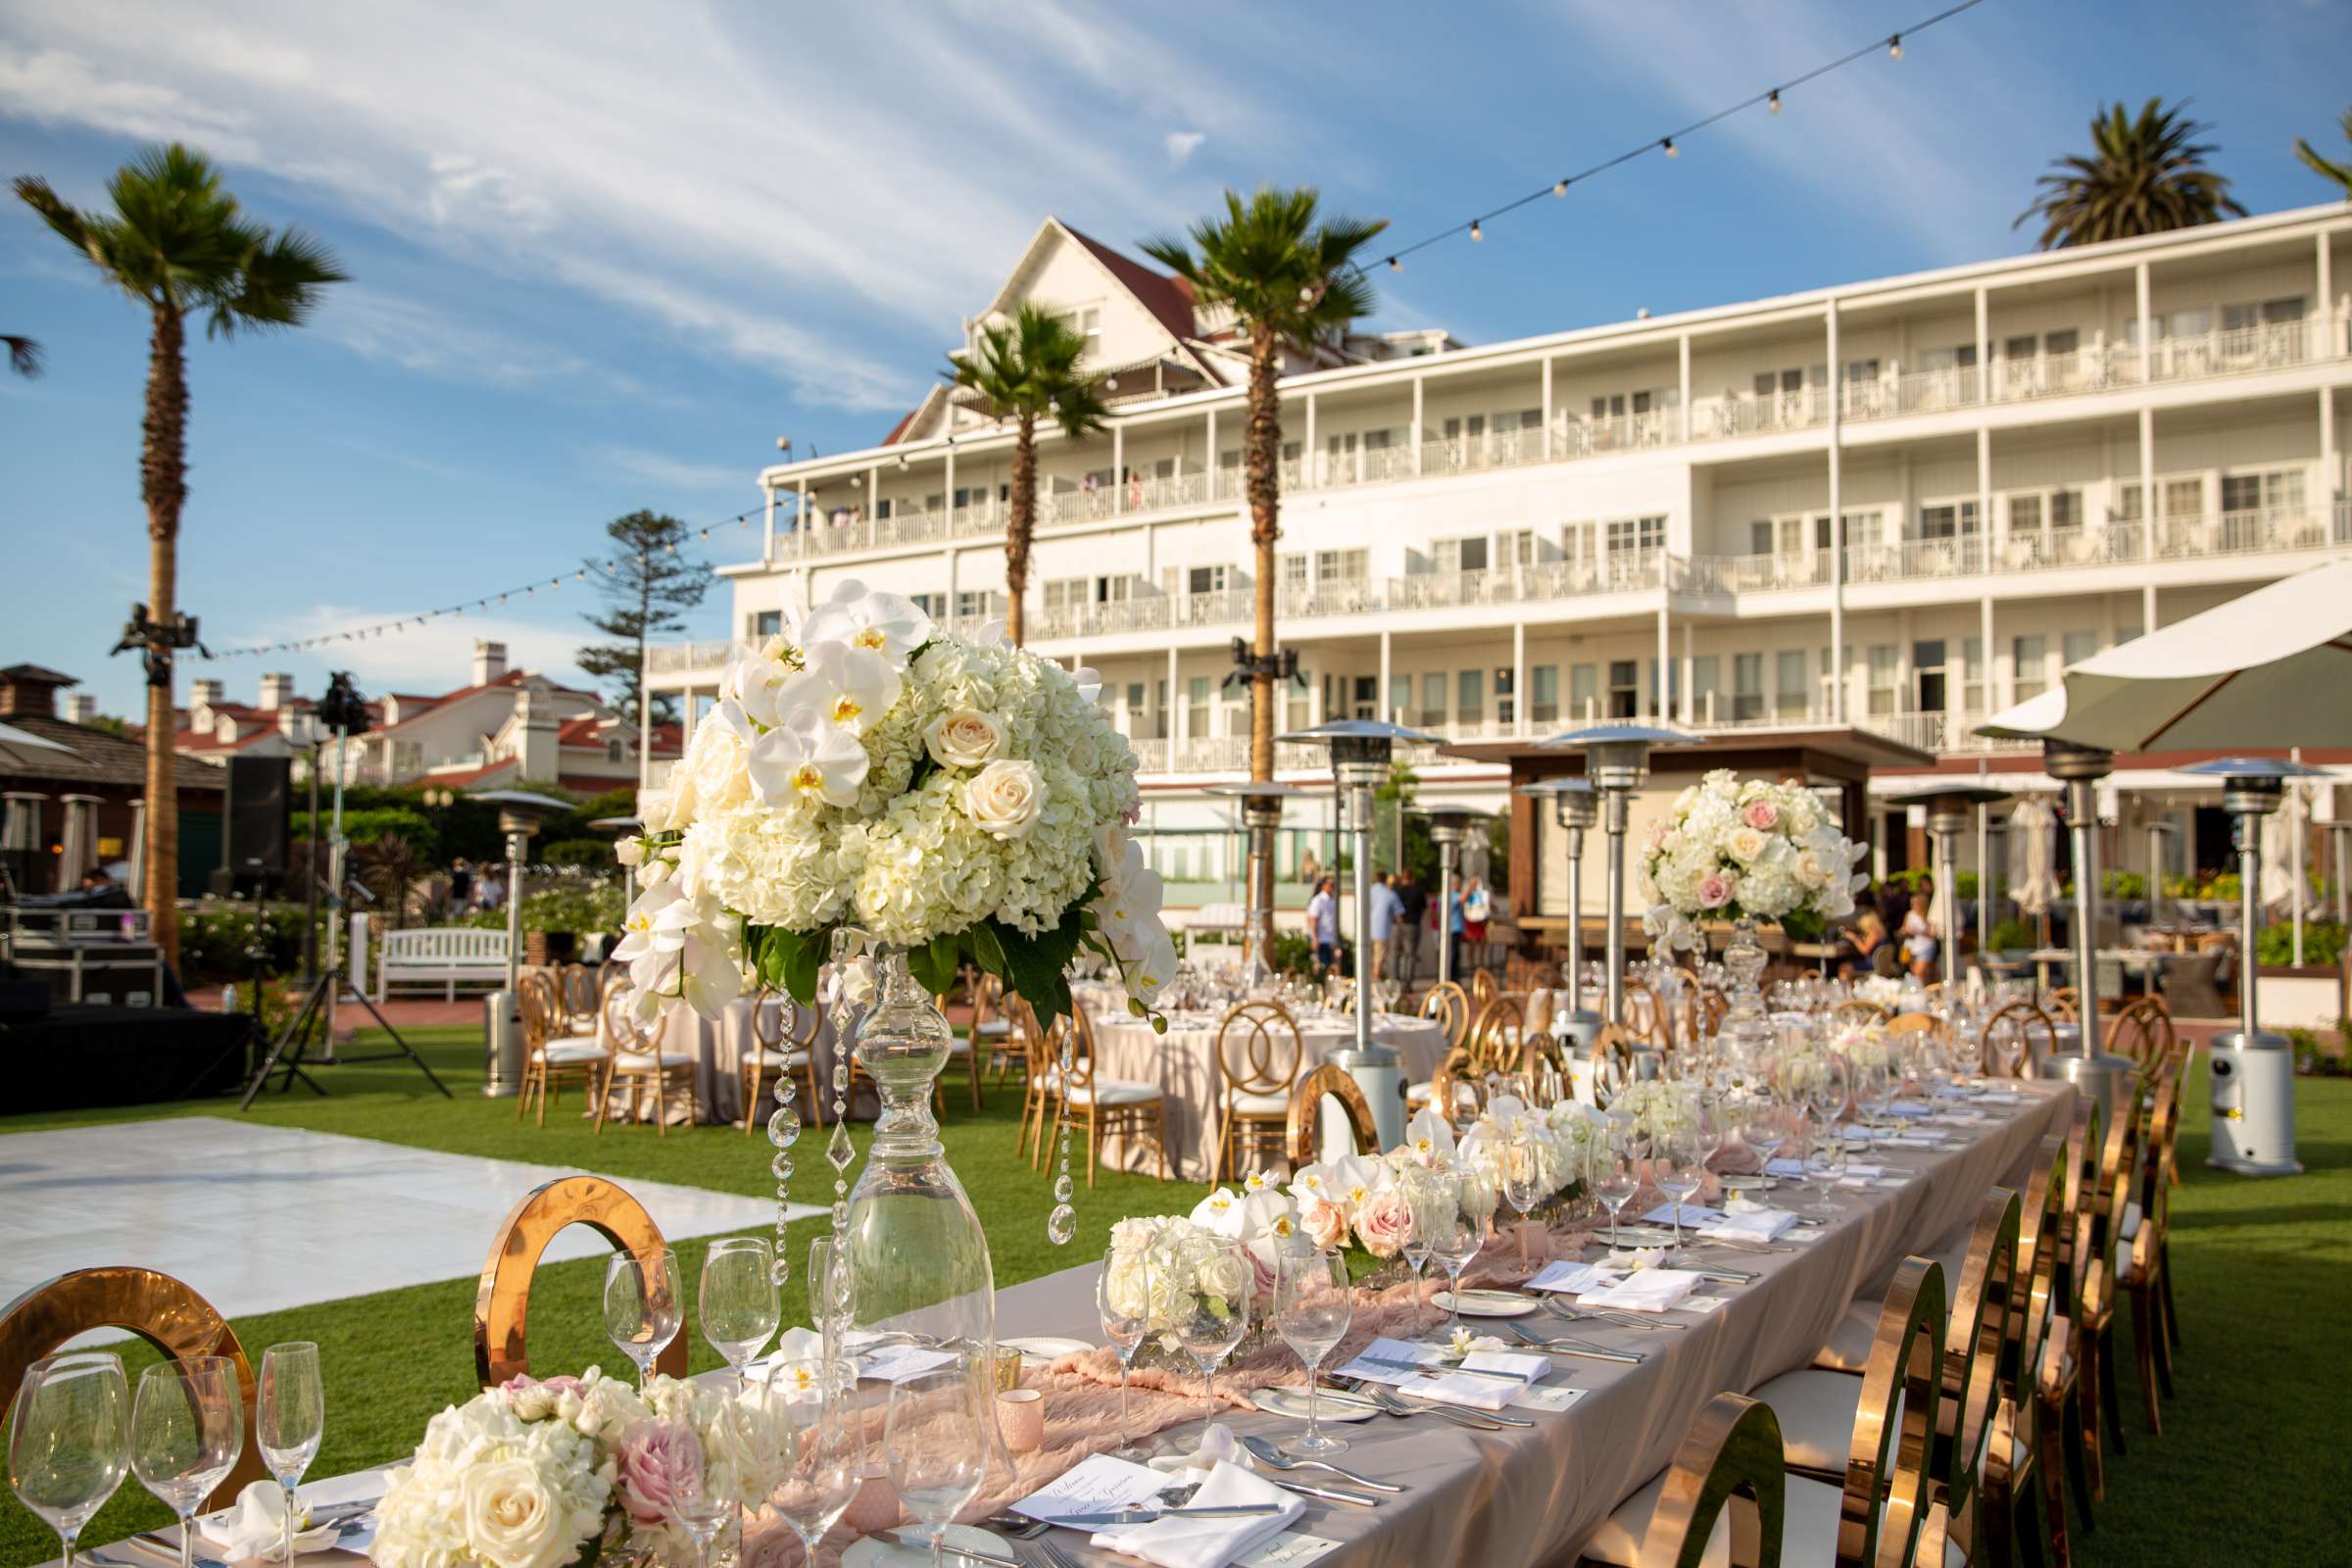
(1574, 809)
(1950, 812)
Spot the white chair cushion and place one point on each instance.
(1848, 1348)
(1808, 1528)
(569, 1053)
(1816, 1411)
(1262, 1104)
(1115, 1092)
(1418, 1094)
(996, 1028)
(643, 1060)
(957, 1045)
(2131, 1219)
(777, 1058)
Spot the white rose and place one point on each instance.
(719, 755)
(1004, 799)
(511, 1520)
(630, 852)
(963, 737)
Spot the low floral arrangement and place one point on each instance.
(536, 1474)
(959, 798)
(1732, 849)
(1656, 1105)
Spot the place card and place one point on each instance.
(1545, 1396)
(1099, 1484)
(1702, 1304)
(1692, 1214)
(895, 1364)
(1571, 1277)
(1288, 1550)
(1392, 1361)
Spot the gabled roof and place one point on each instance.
(512, 679)
(97, 756)
(1169, 299)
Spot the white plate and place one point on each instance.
(1038, 1350)
(1745, 1184)
(1633, 1236)
(1486, 1303)
(867, 1552)
(1292, 1403)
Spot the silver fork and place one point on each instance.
(1606, 1315)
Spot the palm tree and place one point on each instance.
(176, 242)
(1290, 279)
(1026, 370)
(2144, 176)
(2341, 173)
(23, 355)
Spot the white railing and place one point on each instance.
(1512, 585)
(1909, 560)
(2106, 544)
(1747, 413)
(2254, 531)
(1741, 574)
(1358, 597)
(675, 658)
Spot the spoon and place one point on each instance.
(1266, 1451)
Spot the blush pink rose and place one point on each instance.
(1716, 889)
(1383, 1223)
(1325, 1224)
(1761, 815)
(655, 1461)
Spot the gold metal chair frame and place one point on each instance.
(1855, 1010)
(1612, 1052)
(2147, 1274)
(539, 1001)
(501, 1304)
(1448, 1005)
(2056, 1376)
(1005, 1047)
(1975, 1345)
(2118, 1177)
(1302, 1125)
(1456, 1068)
(1886, 1471)
(1267, 1065)
(1646, 1015)
(1039, 1050)
(2016, 1487)
(1141, 1118)
(631, 1038)
(757, 1072)
(1546, 1065)
(580, 990)
(1730, 1459)
(155, 1307)
(1498, 1035)
(1482, 989)
(2024, 1017)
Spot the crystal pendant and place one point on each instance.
(839, 1151)
(1061, 1226)
(784, 1127)
(1064, 1188)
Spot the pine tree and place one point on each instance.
(647, 584)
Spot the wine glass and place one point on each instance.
(817, 1434)
(1454, 1239)
(1213, 1315)
(289, 1418)
(936, 1446)
(1522, 1171)
(187, 1428)
(1825, 1161)
(1427, 1195)
(738, 1299)
(1679, 1169)
(703, 1495)
(1123, 1299)
(643, 1302)
(1616, 1173)
(69, 1438)
(832, 1294)
(1312, 1308)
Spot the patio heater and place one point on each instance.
(2091, 1070)
(1617, 762)
(2253, 1069)
(520, 815)
(2157, 831)
(1360, 748)
(1448, 825)
(1949, 813)
(20, 838)
(1261, 804)
(1574, 809)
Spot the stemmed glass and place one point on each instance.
(1123, 1299)
(1427, 1195)
(1826, 1086)
(187, 1428)
(738, 1299)
(1679, 1169)
(1214, 1313)
(816, 1431)
(936, 1446)
(1522, 1181)
(1824, 1162)
(643, 1302)
(1312, 1308)
(1764, 1125)
(69, 1438)
(1454, 1239)
(1616, 1173)
(289, 1419)
(703, 1495)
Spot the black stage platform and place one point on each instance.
(77, 1057)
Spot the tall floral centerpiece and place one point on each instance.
(869, 785)
(1750, 853)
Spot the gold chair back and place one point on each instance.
(1855, 1010)
(1258, 1048)
(2040, 1240)
(1545, 1066)
(501, 1304)
(155, 1307)
(1974, 1347)
(1731, 1462)
(2143, 1032)
(1646, 1014)
(1496, 1036)
(1482, 989)
(537, 1000)
(620, 1016)
(1886, 1470)
(1302, 1136)
(1452, 1076)
(2064, 1004)
(1912, 1023)
(1613, 1062)
(1448, 1005)
(2022, 1020)
(577, 986)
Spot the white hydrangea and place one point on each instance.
(1729, 847)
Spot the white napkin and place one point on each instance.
(1181, 1542)
(1571, 1277)
(255, 1528)
(1650, 1289)
(1483, 1393)
(1756, 1224)
(1692, 1214)
(1218, 1446)
(1784, 1166)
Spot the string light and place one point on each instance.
(1669, 144)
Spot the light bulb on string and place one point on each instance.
(1773, 102)
(1894, 47)
(1476, 232)
(1666, 144)
(1396, 265)
(1559, 187)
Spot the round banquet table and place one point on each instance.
(1183, 1065)
(717, 1046)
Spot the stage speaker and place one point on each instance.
(252, 828)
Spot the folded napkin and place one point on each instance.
(1481, 1392)
(1752, 1223)
(1218, 1446)
(1650, 1289)
(256, 1526)
(1784, 1167)
(1185, 1542)
(1907, 1109)
(1692, 1214)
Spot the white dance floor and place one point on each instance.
(259, 1218)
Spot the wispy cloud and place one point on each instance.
(660, 468)
(434, 342)
(1182, 144)
(432, 658)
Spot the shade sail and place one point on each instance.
(2266, 671)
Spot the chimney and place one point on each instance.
(206, 692)
(81, 707)
(535, 725)
(489, 662)
(276, 692)
(28, 691)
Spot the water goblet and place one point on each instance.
(289, 1420)
(1454, 1240)
(1679, 1169)
(737, 1296)
(644, 1305)
(1312, 1308)
(1213, 1313)
(187, 1430)
(68, 1439)
(936, 1446)
(1617, 1173)
(815, 1428)
(1427, 1194)
(1522, 1168)
(1123, 1299)
(1825, 1161)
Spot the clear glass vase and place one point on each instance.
(1746, 1035)
(916, 1248)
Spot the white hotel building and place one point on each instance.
(2033, 459)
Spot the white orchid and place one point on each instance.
(805, 762)
(838, 684)
(753, 681)
(1429, 1138)
(1267, 1216)
(890, 624)
(1221, 1213)
(1355, 1178)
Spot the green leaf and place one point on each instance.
(987, 951)
(788, 960)
(934, 963)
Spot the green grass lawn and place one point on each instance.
(2251, 1467)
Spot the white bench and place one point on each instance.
(449, 955)
(1223, 919)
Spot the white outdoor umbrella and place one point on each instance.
(25, 740)
(2033, 856)
(2268, 670)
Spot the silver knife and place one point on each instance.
(1145, 1516)
(896, 1538)
(1328, 1493)
(1441, 1370)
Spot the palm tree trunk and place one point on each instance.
(1263, 478)
(162, 482)
(1019, 526)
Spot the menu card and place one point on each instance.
(1099, 1484)
(895, 1364)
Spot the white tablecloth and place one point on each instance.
(717, 1046)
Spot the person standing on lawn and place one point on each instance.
(1323, 924)
(1404, 940)
(1384, 923)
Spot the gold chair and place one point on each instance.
(780, 1044)
(1482, 989)
(2019, 1021)
(1612, 1054)
(995, 1030)
(1728, 1471)
(580, 991)
(2144, 1263)
(2062, 1414)
(1496, 1036)
(552, 1050)
(1039, 1054)
(501, 1304)
(2013, 1487)
(1455, 1088)
(641, 1063)
(1856, 1011)
(1257, 1057)
(2144, 1031)
(962, 1047)
(144, 1302)
(1545, 1066)
(2064, 1004)
(2115, 1194)
(1303, 1122)
(1107, 1107)
(1646, 1015)
(1449, 1006)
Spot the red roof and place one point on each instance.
(590, 730)
(1170, 299)
(898, 430)
(195, 741)
(512, 678)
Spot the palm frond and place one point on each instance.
(24, 355)
(2145, 174)
(2327, 168)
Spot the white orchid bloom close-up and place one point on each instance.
(890, 624)
(1220, 1211)
(1430, 1137)
(842, 685)
(753, 680)
(808, 762)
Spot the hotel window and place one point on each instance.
(1506, 694)
(2028, 662)
(767, 623)
(2025, 514)
(1401, 700)
(1944, 521)
(1469, 697)
(1461, 555)
(1135, 707)
(1159, 708)
(1208, 579)
(1640, 536)
(1706, 686)
(1365, 703)
(2077, 647)
(2280, 489)
(1294, 571)
(1972, 676)
(2270, 313)
(1089, 321)
(1519, 547)
(1762, 537)
(2066, 509)
(1296, 710)
(1064, 593)
(1584, 692)
(1866, 529)
(1196, 701)
(1885, 695)
(1747, 687)
(1433, 697)
(1475, 426)
(1544, 694)
(2125, 632)
(1625, 688)
(975, 604)
(1791, 695)
(1343, 565)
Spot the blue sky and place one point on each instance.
(605, 255)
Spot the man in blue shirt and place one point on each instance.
(1323, 921)
(1386, 910)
